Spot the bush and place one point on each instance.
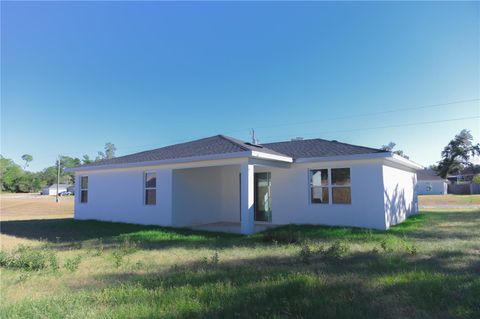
(71, 264)
(476, 179)
(26, 258)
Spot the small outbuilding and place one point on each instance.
(52, 189)
(429, 183)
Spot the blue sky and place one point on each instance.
(145, 75)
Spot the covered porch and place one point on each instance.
(226, 197)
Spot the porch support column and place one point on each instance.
(246, 198)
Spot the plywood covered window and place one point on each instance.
(84, 189)
(341, 186)
(150, 188)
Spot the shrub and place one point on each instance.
(71, 264)
(476, 179)
(26, 258)
(337, 250)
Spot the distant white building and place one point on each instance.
(429, 183)
(52, 189)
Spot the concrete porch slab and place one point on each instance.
(229, 227)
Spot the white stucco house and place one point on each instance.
(244, 187)
(429, 183)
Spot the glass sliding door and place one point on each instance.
(263, 198)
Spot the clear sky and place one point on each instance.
(145, 75)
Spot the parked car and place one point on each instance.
(66, 193)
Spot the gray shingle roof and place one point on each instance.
(428, 175)
(319, 148)
(213, 145)
(220, 144)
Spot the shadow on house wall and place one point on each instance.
(397, 206)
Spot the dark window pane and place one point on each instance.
(84, 182)
(319, 195)
(341, 195)
(84, 196)
(319, 177)
(150, 197)
(150, 180)
(340, 176)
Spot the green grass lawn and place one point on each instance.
(428, 267)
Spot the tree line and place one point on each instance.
(17, 179)
(456, 156)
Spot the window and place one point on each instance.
(84, 189)
(150, 188)
(319, 186)
(341, 190)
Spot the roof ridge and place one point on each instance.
(329, 141)
(371, 148)
(233, 141)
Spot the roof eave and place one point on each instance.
(247, 154)
(343, 157)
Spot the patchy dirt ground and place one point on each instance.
(34, 206)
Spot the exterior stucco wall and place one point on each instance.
(119, 196)
(291, 196)
(432, 187)
(400, 198)
(205, 195)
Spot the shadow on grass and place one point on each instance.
(64, 233)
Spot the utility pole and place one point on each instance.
(58, 177)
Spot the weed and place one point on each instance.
(282, 236)
(71, 264)
(337, 250)
(118, 257)
(100, 249)
(53, 261)
(411, 249)
(306, 253)
(215, 258)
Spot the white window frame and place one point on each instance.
(330, 186)
(145, 188)
(349, 185)
(83, 189)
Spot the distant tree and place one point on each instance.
(86, 159)
(457, 154)
(27, 158)
(389, 148)
(108, 154)
(9, 174)
(67, 161)
(110, 150)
